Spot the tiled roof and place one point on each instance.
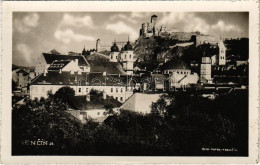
(159, 78)
(52, 57)
(56, 65)
(109, 67)
(83, 79)
(140, 102)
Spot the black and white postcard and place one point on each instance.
(130, 82)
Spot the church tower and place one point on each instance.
(127, 58)
(205, 68)
(98, 46)
(222, 53)
(114, 54)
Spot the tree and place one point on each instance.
(109, 109)
(63, 94)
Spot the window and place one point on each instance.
(116, 98)
(111, 56)
(121, 89)
(121, 98)
(116, 57)
(111, 90)
(116, 89)
(98, 113)
(125, 56)
(130, 57)
(86, 89)
(79, 89)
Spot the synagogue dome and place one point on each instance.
(176, 64)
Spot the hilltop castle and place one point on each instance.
(151, 29)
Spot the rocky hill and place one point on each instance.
(154, 50)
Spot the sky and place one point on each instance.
(35, 33)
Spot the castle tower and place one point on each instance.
(114, 53)
(205, 68)
(153, 20)
(127, 58)
(144, 28)
(98, 45)
(222, 53)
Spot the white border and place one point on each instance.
(156, 6)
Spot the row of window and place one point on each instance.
(98, 113)
(112, 89)
(121, 98)
(116, 56)
(181, 72)
(222, 57)
(80, 90)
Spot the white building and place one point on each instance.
(140, 102)
(222, 53)
(205, 68)
(179, 73)
(46, 59)
(116, 86)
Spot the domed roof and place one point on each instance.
(175, 64)
(128, 46)
(114, 48)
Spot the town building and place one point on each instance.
(205, 68)
(46, 59)
(214, 62)
(179, 73)
(83, 108)
(117, 86)
(22, 77)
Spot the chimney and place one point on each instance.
(60, 71)
(104, 73)
(77, 62)
(119, 75)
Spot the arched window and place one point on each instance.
(181, 72)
